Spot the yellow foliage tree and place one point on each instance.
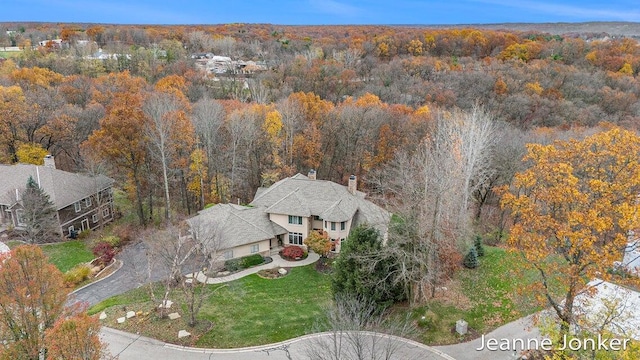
(626, 69)
(572, 209)
(198, 175)
(31, 153)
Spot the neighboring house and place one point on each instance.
(285, 213)
(82, 202)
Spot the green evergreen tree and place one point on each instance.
(364, 270)
(471, 259)
(478, 245)
(38, 215)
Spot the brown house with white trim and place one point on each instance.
(82, 202)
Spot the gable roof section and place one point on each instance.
(331, 201)
(238, 225)
(64, 188)
(291, 204)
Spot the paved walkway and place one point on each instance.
(278, 261)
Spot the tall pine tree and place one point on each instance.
(38, 215)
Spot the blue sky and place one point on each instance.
(298, 12)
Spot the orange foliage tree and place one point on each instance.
(573, 208)
(76, 337)
(32, 300)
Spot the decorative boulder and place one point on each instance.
(103, 315)
(121, 320)
(282, 271)
(462, 327)
(131, 314)
(183, 333)
(174, 316)
(166, 304)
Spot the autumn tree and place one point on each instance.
(76, 337)
(31, 153)
(32, 298)
(169, 133)
(573, 208)
(121, 142)
(319, 242)
(38, 214)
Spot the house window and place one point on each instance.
(71, 229)
(333, 225)
(94, 218)
(295, 238)
(87, 202)
(77, 206)
(255, 248)
(228, 254)
(326, 224)
(105, 212)
(295, 220)
(316, 217)
(343, 225)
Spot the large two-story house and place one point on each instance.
(82, 202)
(286, 212)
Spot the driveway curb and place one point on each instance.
(298, 339)
(120, 264)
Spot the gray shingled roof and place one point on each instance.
(301, 196)
(238, 225)
(64, 188)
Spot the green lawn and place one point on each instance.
(248, 311)
(487, 297)
(66, 255)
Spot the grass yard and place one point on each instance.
(249, 311)
(66, 255)
(485, 297)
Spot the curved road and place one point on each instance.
(125, 346)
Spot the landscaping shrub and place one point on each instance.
(112, 240)
(471, 260)
(292, 253)
(233, 265)
(84, 234)
(77, 274)
(252, 260)
(104, 252)
(126, 233)
(243, 262)
(478, 245)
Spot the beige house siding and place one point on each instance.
(337, 233)
(245, 250)
(283, 220)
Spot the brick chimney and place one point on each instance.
(353, 184)
(49, 161)
(312, 174)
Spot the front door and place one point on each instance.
(85, 224)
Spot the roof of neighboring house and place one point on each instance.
(609, 299)
(64, 188)
(237, 225)
(300, 196)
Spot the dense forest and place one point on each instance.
(141, 104)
